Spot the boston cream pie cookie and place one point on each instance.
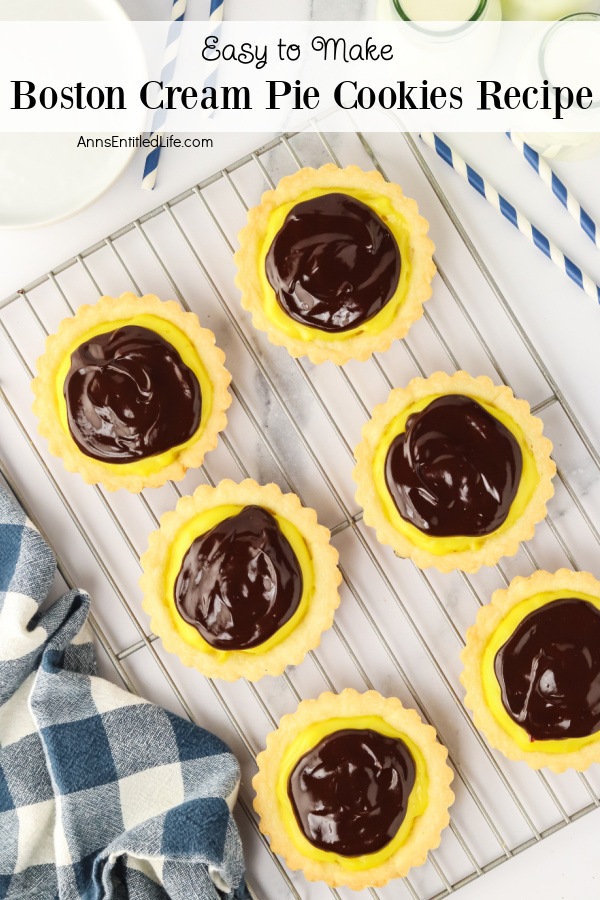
(335, 264)
(453, 472)
(532, 670)
(131, 392)
(240, 580)
(353, 789)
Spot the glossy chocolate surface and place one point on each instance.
(455, 470)
(549, 671)
(350, 793)
(129, 395)
(334, 263)
(240, 582)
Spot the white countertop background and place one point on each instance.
(563, 324)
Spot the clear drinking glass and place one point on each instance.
(561, 62)
(436, 27)
(546, 10)
(462, 12)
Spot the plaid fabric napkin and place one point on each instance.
(102, 794)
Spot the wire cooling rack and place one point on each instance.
(399, 630)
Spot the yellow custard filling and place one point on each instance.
(396, 223)
(188, 354)
(441, 546)
(306, 741)
(491, 687)
(201, 524)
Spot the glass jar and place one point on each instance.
(440, 10)
(546, 10)
(562, 62)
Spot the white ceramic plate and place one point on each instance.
(44, 177)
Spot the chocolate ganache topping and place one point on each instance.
(455, 470)
(350, 793)
(240, 582)
(549, 671)
(334, 263)
(129, 395)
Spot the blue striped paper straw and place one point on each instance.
(168, 70)
(558, 188)
(216, 17)
(516, 218)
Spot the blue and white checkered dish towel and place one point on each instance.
(102, 794)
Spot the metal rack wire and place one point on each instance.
(399, 629)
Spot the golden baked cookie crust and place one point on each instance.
(478, 636)
(233, 664)
(122, 309)
(362, 345)
(497, 544)
(425, 834)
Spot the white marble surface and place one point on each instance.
(563, 325)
